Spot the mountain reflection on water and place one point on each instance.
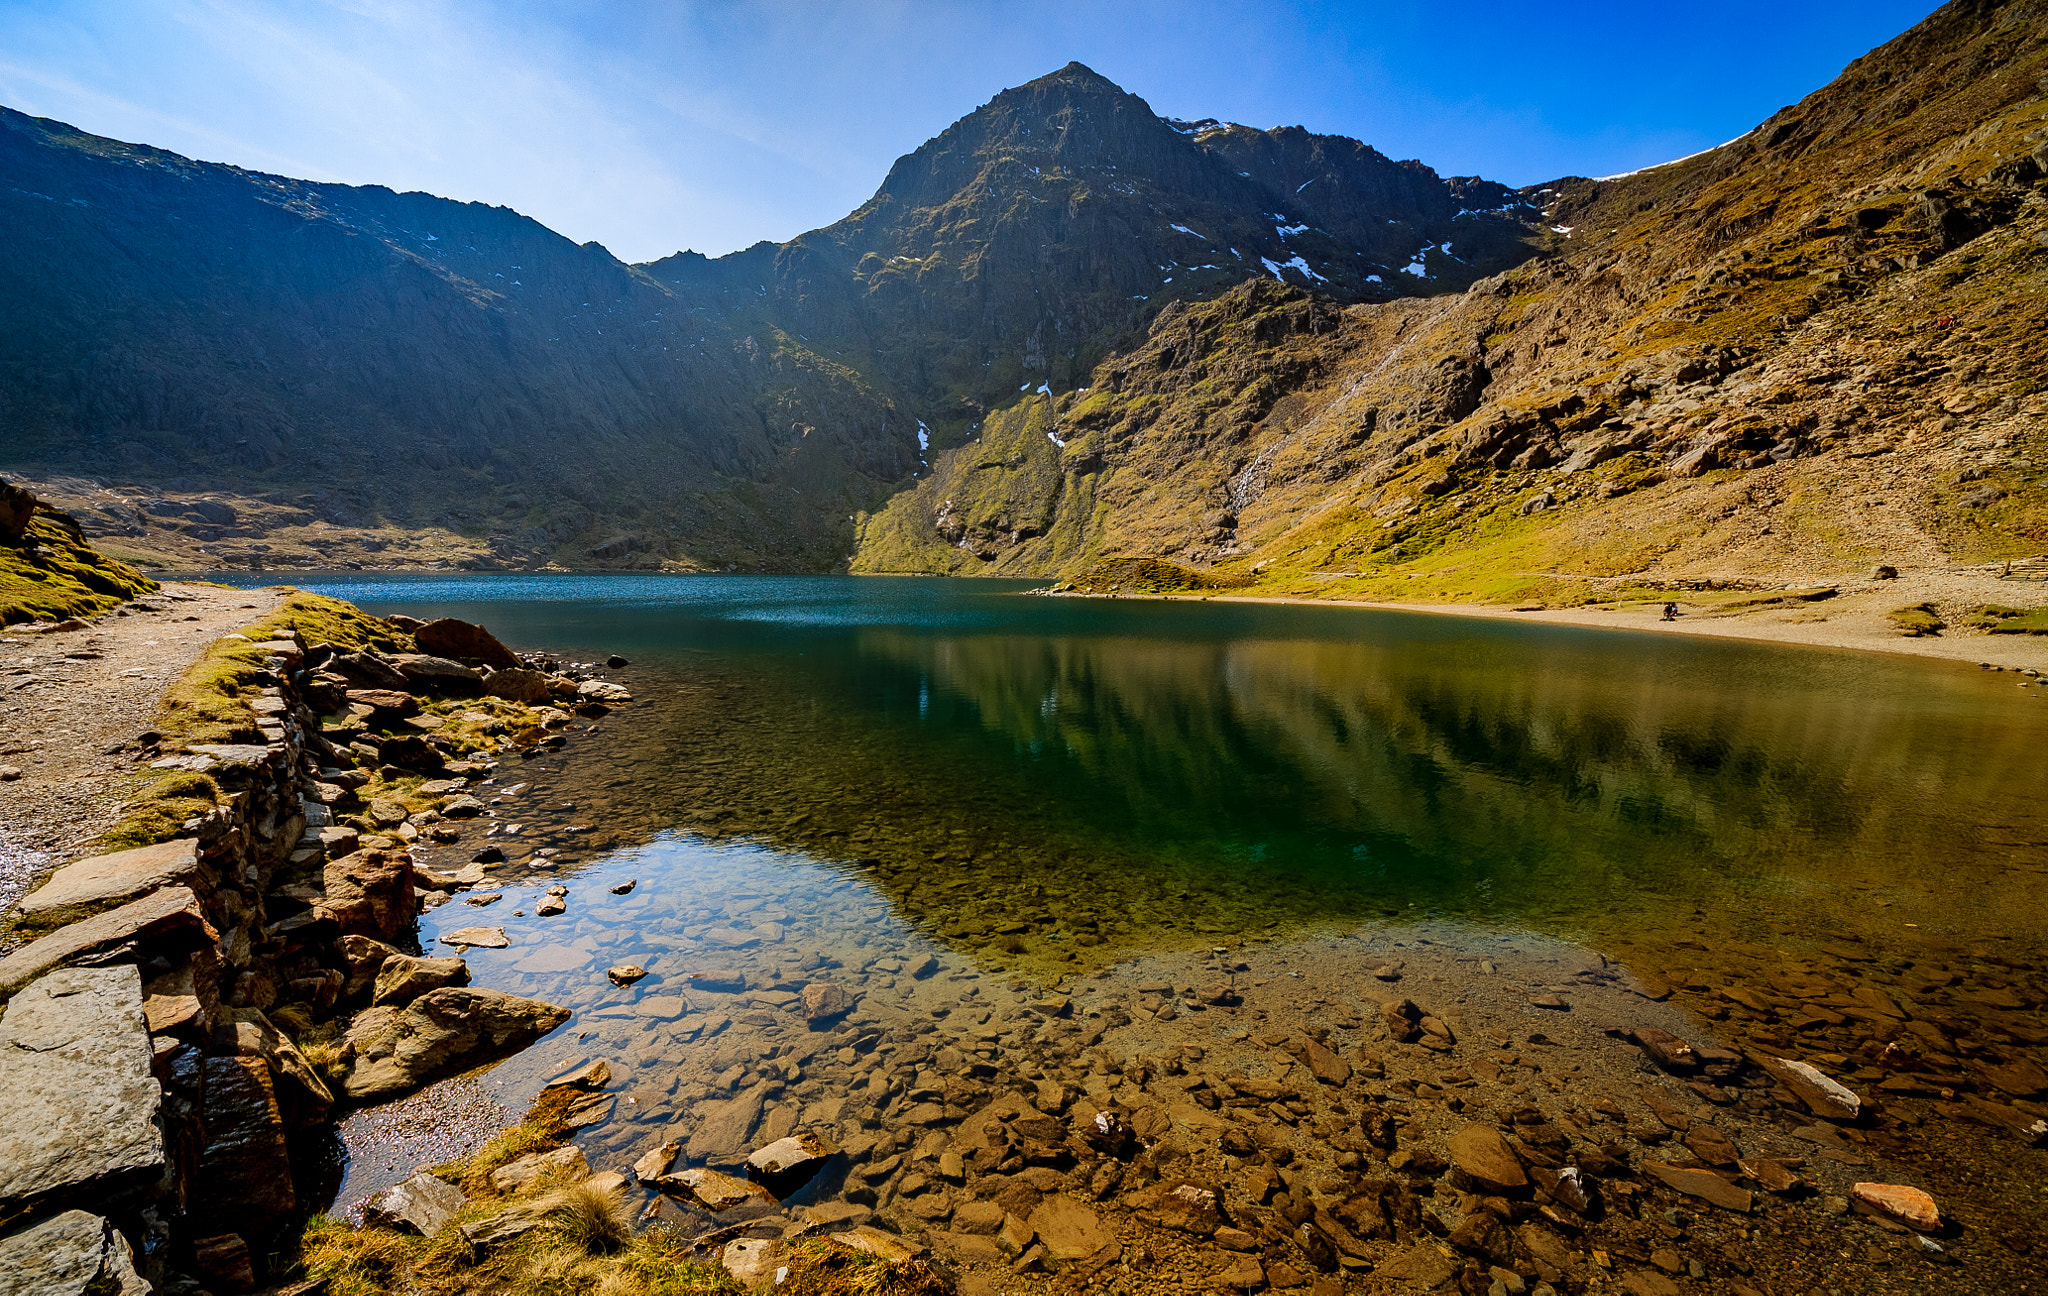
(1059, 781)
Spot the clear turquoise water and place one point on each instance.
(1128, 775)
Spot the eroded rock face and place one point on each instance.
(397, 1050)
(82, 1105)
(245, 1171)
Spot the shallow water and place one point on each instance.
(859, 773)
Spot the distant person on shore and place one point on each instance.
(1671, 611)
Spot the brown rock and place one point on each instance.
(448, 637)
(1909, 1206)
(789, 1163)
(1181, 1204)
(370, 893)
(2019, 1077)
(1483, 1157)
(1074, 1236)
(224, 1262)
(479, 937)
(714, 1191)
(365, 958)
(396, 1050)
(1712, 1146)
(625, 974)
(825, 1000)
(518, 685)
(1322, 1063)
(404, 978)
(1648, 1282)
(17, 510)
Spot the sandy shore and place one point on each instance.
(1855, 617)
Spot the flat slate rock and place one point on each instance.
(1703, 1184)
(69, 1255)
(158, 914)
(81, 1104)
(121, 876)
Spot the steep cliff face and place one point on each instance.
(366, 358)
(1814, 347)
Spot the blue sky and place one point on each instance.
(656, 126)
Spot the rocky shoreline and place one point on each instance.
(184, 1017)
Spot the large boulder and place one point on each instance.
(398, 1049)
(17, 509)
(117, 878)
(72, 1254)
(82, 1106)
(449, 637)
(168, 922)
(370, 893)
(518, 685)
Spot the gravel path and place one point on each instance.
(70, 700)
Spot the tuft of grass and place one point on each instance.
(1917, 620)
(356, 1262)
(160, 811)
(589, 1218)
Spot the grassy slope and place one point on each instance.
(55, 574)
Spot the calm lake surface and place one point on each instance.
(1146, 773)
(944, 795)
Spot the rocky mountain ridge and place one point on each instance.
(223, 339)
(1810, 350)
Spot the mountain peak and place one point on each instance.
(1075, 75)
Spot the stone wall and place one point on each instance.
(159, 1111)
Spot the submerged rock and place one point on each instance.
(1909, 1206)
(396, 1050)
